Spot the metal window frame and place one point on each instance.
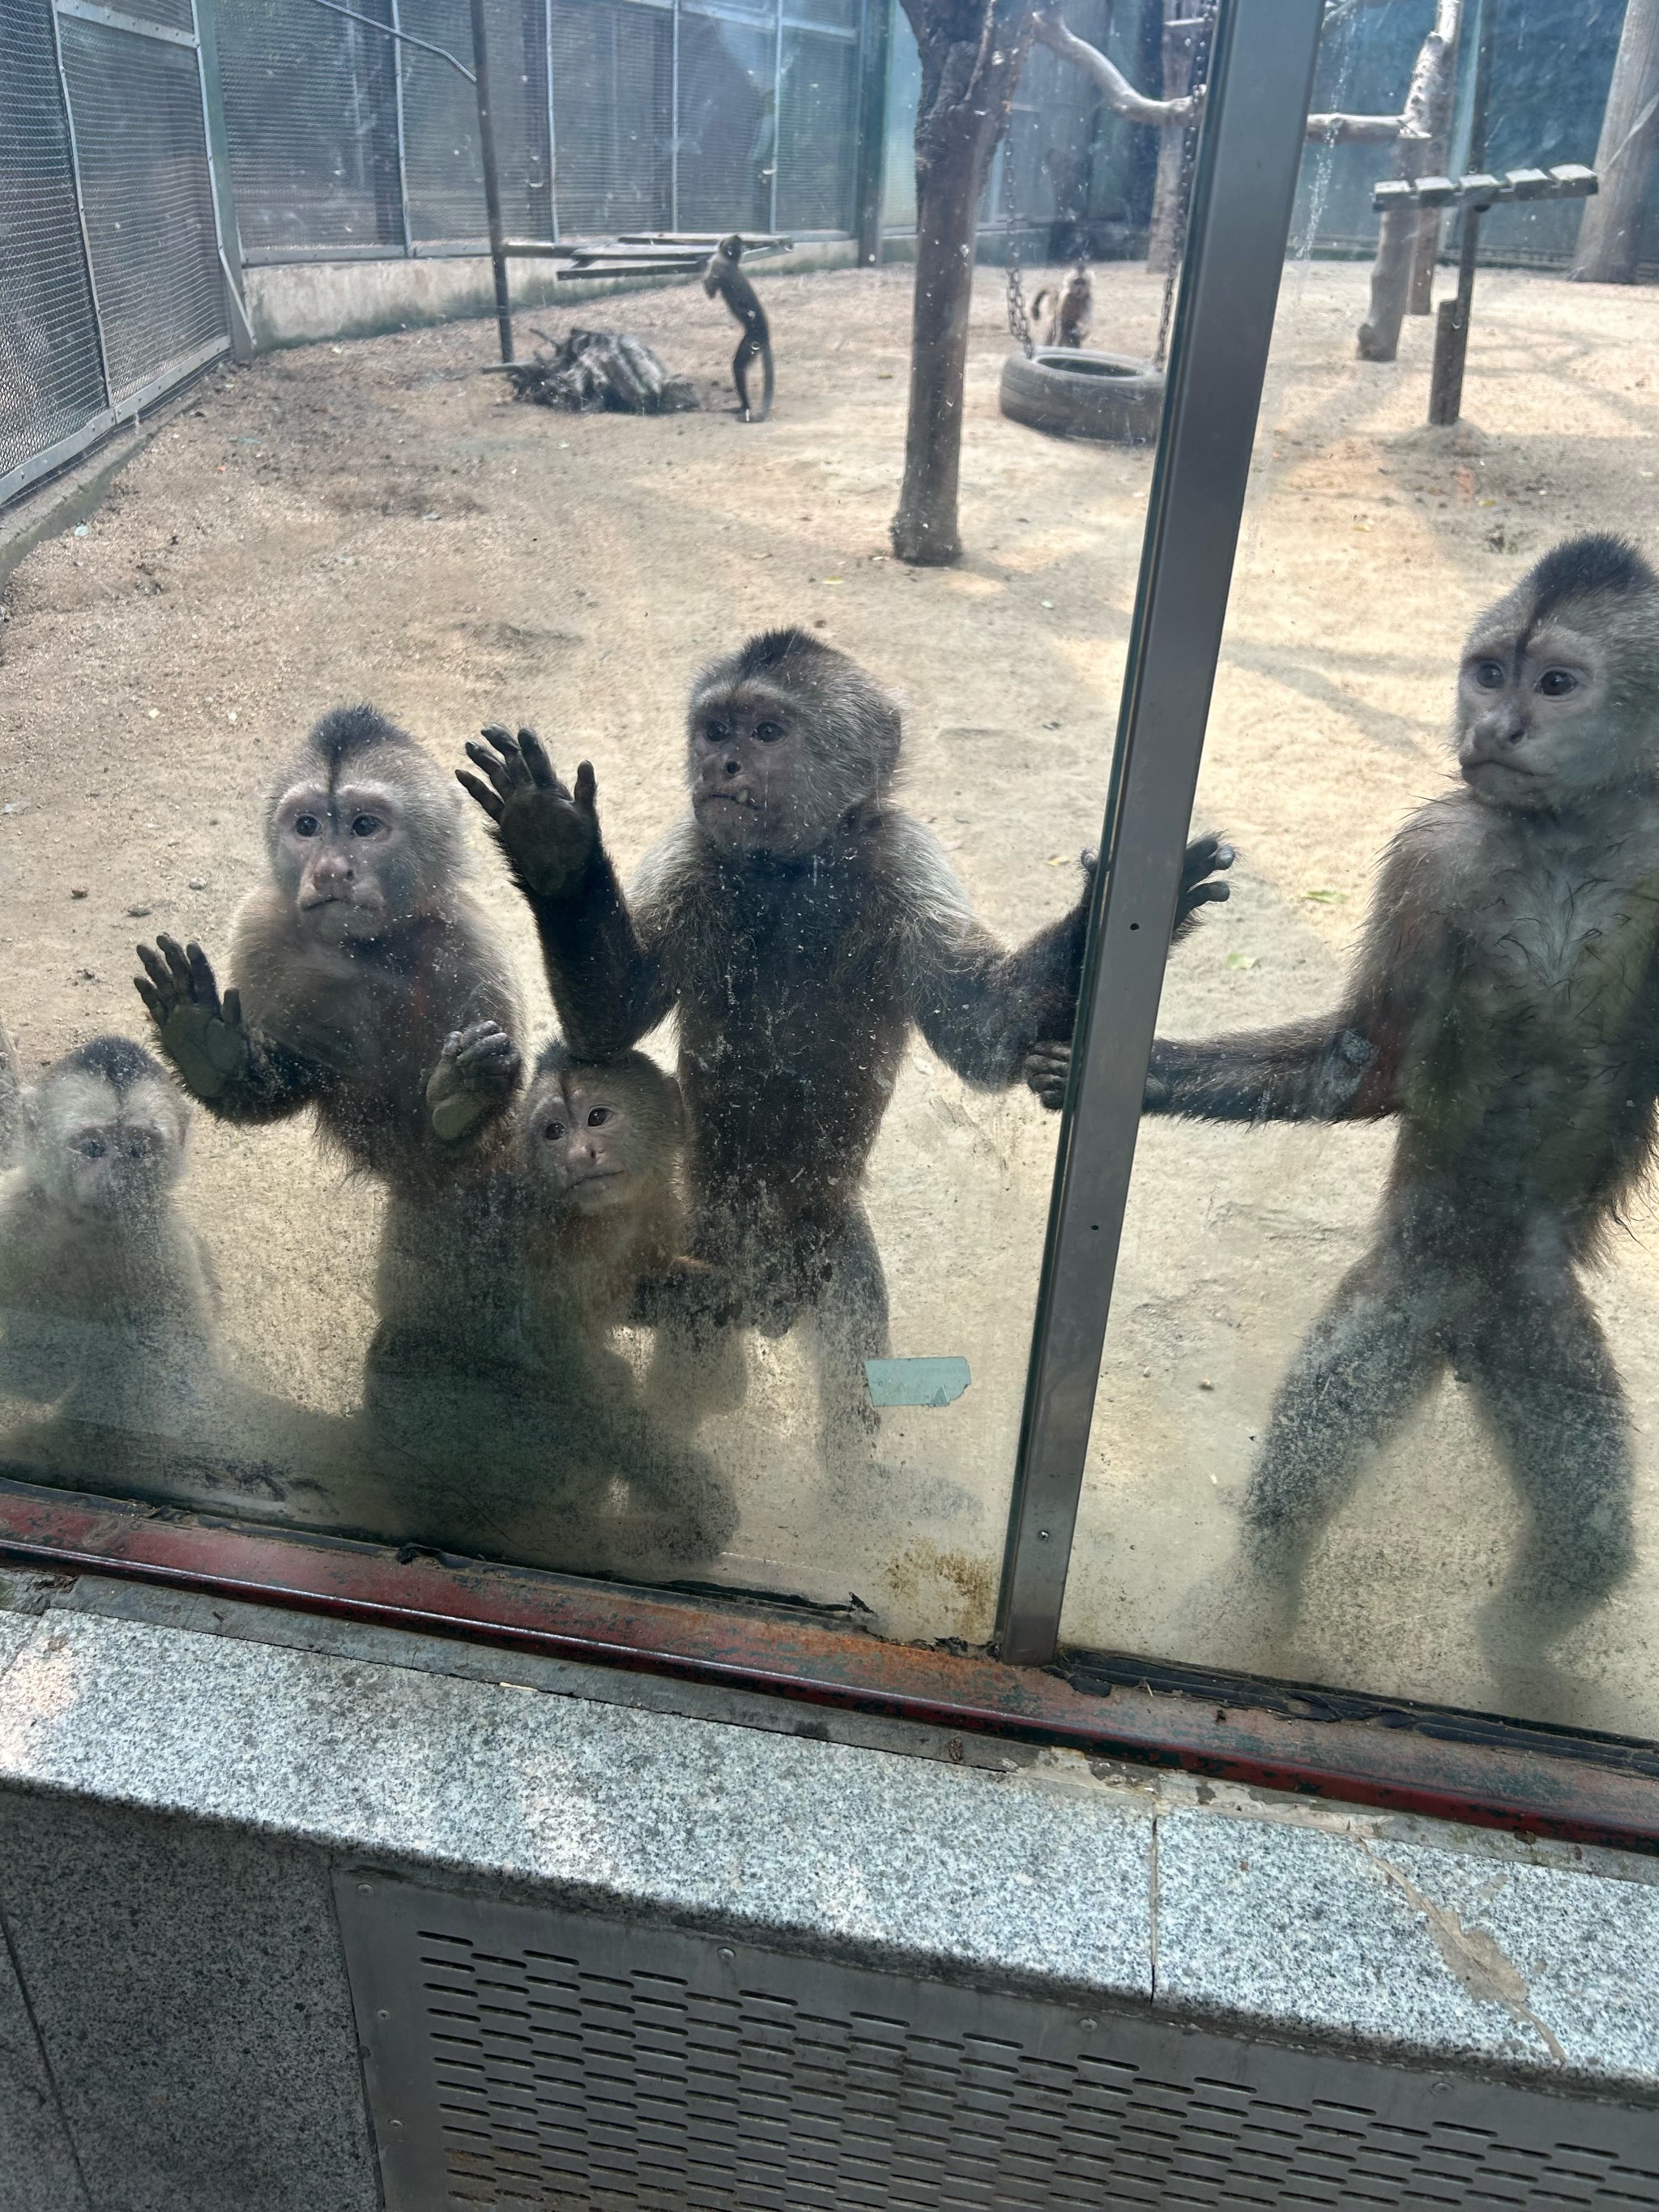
(1244, 183)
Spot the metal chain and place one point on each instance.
(1019, 323)
(1196, 80)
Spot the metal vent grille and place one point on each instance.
(310, 116)
(613, 106)
(528, 2059)
(137, 109)
(51, 381)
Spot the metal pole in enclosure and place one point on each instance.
(491, 181)
(1249, 153)
(1451, 329)
(873, 53)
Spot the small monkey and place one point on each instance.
(354, 962)
(1073, 309)
(723, 278)
(1503, 1008)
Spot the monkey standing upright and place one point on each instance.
(354, 962)
(1504, 1006)
(724, 279)
(799, 924)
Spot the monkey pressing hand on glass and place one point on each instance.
(723, 278)
(799, 924)
(354, 962)
(1504, 1006)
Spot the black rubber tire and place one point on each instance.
(1073, 392)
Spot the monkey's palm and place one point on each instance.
(551, 836)
(204, 1036)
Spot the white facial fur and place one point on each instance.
(99, 1154)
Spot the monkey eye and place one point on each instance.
(365, 826)
(1489, 675)
(1556, 683)
(553, 1132)
(769, 732)
(716, 733)
(91, 1148)
(598, 1117)
(305, 825)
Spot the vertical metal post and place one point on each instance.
(81, 207)
(226, 234)
(1249, 152)
(552, 135)
(777, 117)
(403, 142)
(1452, 328)
(491, 180)
(674, 141)
(875, 44)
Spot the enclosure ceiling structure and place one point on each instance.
(112, 285)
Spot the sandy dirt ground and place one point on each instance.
(377, 520)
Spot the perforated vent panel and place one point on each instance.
(519, 2058)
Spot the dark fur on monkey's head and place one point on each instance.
(1558, 693)
(363, 830)
(731, 249)
(786, 737)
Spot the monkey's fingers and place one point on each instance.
(147, 991)
(485, 797)
(180, 978)
(473, 1033)
(204, 985)
(507, 774)
(159, 977)
(1202, 894)
(587, 787)
(533, 752)
(231, 1012)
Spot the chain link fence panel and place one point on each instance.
(51, 376)
(311, 117)
(148, 201)
(613, 109)
(443, 169)
(727, 121)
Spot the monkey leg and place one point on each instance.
(847, 1310)
(1368, 1358)
(750, 349)
(1548, 1385)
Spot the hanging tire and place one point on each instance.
(1073, 392)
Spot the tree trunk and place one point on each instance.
(972, 53)
(1629, 135)
(1182, 25)
(1428, 103)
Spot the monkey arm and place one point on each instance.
(604, 973)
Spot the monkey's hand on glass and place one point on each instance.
(477, 1073)
(202, 1034)
(550, 834)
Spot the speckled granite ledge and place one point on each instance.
(171, 1801)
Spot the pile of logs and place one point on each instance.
(591, 371)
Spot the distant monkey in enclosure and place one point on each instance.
(1505, 1005)
(1073, 310)
(799, 924)
(724, 279)
(107, 1308)
(354, 961)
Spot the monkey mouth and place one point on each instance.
(730, 799)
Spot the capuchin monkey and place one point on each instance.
(494, 1395)
(109, 1310)
(354, 963)
(1503, 1008)
(800, 925)
(1073, 312)
(723, 278)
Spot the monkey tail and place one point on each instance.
(1036, 304)
(766, 382)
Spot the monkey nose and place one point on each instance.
(733, 767)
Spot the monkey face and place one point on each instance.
(103, 1155)
(751, 781)
(1535, 724)
(343, 857)
(585, 1138)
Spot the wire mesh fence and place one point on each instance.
(609, 115)
(112, 284)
